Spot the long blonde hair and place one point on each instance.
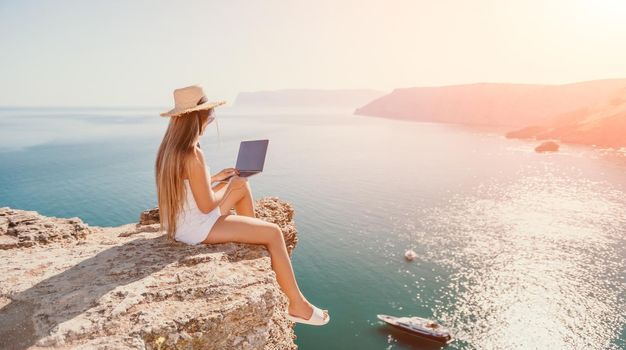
(176, 148)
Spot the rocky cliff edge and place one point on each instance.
(65, 284)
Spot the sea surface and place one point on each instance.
(515, 250)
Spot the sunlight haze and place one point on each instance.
(134, 53)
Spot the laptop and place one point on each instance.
(251, 157)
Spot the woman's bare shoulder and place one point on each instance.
(195, 163)
(195, 156)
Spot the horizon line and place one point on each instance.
(387, 91)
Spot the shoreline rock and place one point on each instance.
(602, 125)
(22, 228)
(547, 146)
(69, 285)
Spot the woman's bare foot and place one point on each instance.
(303, 309)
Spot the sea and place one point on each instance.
(515, 249)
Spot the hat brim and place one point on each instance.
(207, 105)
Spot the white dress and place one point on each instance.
(192, 225)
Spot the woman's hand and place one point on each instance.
(224, 174)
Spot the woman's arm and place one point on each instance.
(199, 180)
(219, 186)
(224, 174)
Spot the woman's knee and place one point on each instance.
(243, 191)
(237, 182)
(274, 234)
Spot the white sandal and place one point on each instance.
(317, 318)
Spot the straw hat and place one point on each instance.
(189, 99)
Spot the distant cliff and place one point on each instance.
(491, 103)
(293, 98)
(602, 125)
(65, 284)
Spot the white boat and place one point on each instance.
(419, 326)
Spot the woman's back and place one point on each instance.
(192, 225)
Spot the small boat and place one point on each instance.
(419, 326)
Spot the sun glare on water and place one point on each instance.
(536, 266)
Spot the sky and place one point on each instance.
(134, 53)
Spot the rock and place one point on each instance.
(149, 217)
(20, 228)
(601, 125)
(69, 285)
(547, 146)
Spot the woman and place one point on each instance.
(193, 212)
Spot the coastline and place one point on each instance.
(516, 134)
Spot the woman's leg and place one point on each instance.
(243, 229)
(239, 197)
(245, 205)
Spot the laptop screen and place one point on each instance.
(252, 155)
